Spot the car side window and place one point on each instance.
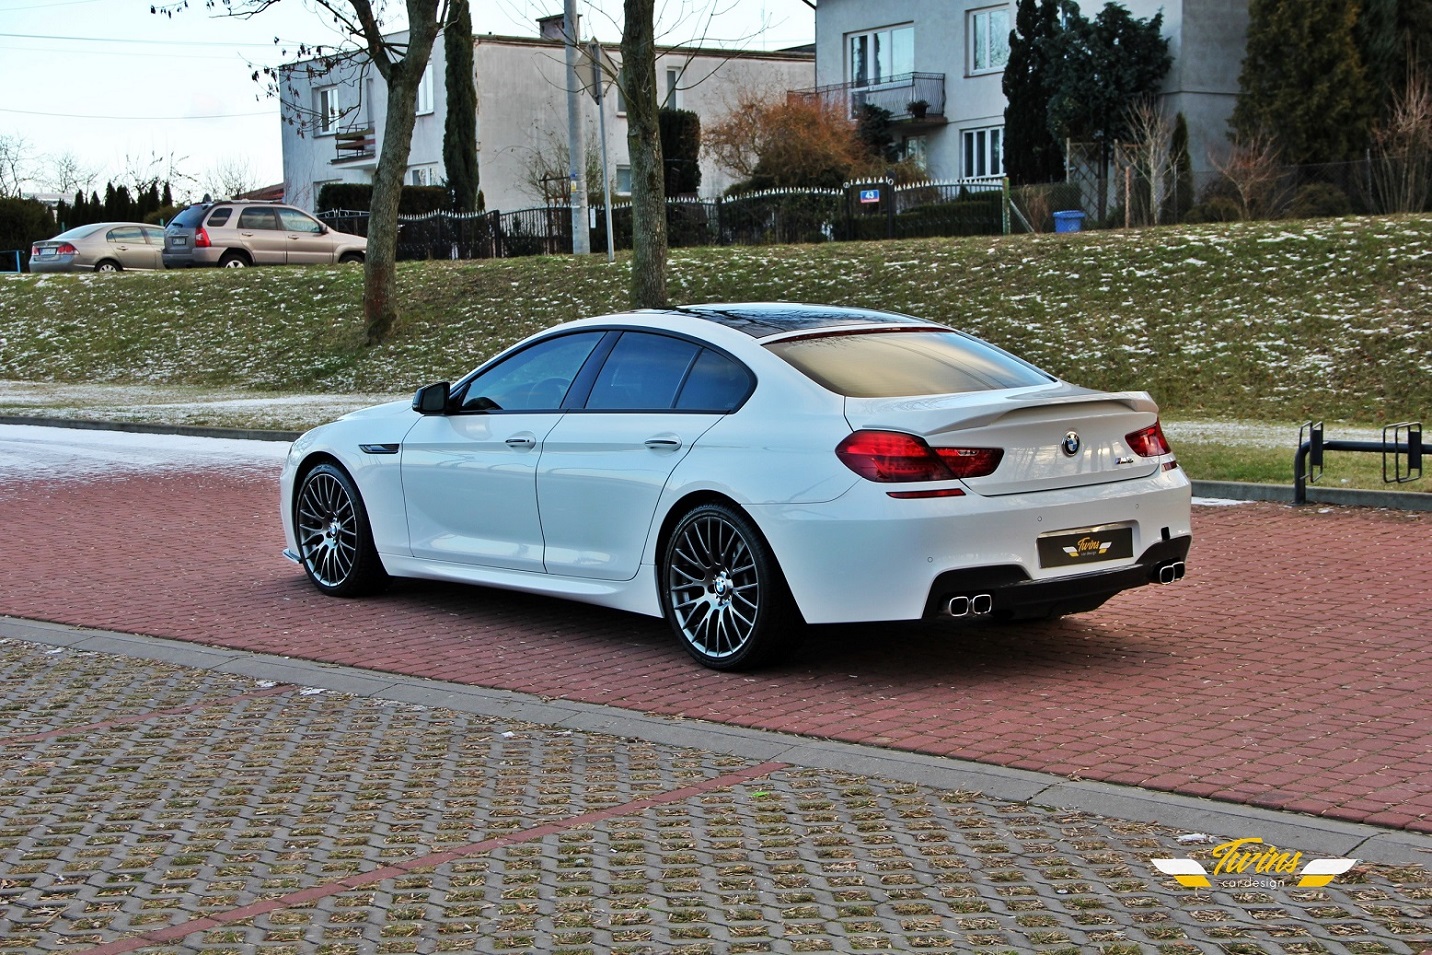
(125, 233)
(220, 216)
(716, 383)
(535, 379)
(154, 234)
(258, 218)
(295, 221)
(643, 373)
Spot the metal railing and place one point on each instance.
(357, 141)
(900, 95)
(1401, 449)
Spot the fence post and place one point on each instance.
(1004, 206)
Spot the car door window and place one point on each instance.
(260, 218)
(644, 372)
(716, 383)
(295, 221)
(535, 379)
(155, 236)
(126, 234)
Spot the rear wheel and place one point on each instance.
(233, 260)
(723, 593)
(335, 542)
(108, 265)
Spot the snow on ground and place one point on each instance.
(31, 453)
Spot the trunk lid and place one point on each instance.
(1031, 425)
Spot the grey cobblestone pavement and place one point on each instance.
(148, 806)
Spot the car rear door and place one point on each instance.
(259, 232)
(127, 245)
(603, 467)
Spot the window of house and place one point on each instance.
(325, 108)
(917, 150)
(423, 176)
(425, 92)
(620, 86)
(623, 186)
(984, 152)
(672, 97)
(988, 31)
(878, 56)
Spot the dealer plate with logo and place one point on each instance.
(1089, 545)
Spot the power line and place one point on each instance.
(111, 39)
(157, 119)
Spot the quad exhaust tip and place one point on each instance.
(969, 606)
(1168, 573)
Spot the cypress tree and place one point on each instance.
(1303, 80)
(460, 124)
(1031, 153)
(681, 150)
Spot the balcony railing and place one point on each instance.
(354, 142)
(900, 95)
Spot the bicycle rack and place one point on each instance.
(1401, 449)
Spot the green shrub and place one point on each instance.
(1319, 200)
(22, 222)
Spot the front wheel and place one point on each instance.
(723, 593)
(335, 542)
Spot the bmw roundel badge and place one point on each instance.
(1070, 443)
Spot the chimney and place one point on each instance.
(550, 28)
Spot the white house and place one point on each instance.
(521, 114)
(951, 55)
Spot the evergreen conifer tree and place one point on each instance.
(1031, 153)
(1303, 82)
(460, 124)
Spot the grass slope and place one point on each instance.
(1276, 321)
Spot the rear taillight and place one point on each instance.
(34, 251)
(201, 238)
(1149, 442)
(893, 457)
(64, 248)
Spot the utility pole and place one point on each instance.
(576, 141)
(597, 95)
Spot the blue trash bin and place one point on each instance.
(1071, 221)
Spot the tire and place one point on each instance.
(233, 260)
(108, 265)
(350, 257)
(335, 541)
(722, 591)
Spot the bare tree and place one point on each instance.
(1402, 146)
(1150, 154)
(67, 175)
(400, 61)
(230, 177)
(1253, 169)
(14, 165)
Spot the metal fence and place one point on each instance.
(860, 210)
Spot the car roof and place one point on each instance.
(765, 319)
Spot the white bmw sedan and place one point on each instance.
(742, 470)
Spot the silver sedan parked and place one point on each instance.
(100, 247)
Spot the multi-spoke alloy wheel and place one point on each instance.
(722, 591)
(334, 541)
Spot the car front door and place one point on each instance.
(307, 239)
(603, 468)
(469, 476)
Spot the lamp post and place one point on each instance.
(597, 94)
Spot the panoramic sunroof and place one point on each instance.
(762, 319)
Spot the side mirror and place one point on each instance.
(432, 399)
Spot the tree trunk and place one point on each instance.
(648, 187)
(380, 309)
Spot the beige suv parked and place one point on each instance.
(236, 234)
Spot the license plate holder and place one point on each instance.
(1086, 545)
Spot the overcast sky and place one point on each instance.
(122, 90)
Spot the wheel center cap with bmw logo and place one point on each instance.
(1070, 444)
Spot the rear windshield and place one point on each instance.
(189, 218)
(894, 364)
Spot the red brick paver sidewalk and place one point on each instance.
(1290, 670)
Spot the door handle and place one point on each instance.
(522, 442)
(663, 443)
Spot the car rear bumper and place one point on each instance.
(1007, 592)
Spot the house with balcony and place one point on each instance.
(334, 116)
(937, 67)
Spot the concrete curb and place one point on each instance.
(1224, 490)
(1310, 834)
